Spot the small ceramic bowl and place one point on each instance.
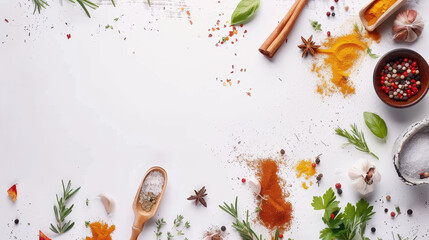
(424, 77)
(395, 7)
(408, 163)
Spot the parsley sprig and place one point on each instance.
(356, 138)
(316, 25)
(344, 225)
(62, 211)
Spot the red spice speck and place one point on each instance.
(232, 66)
(248, 94)
(245, 31)
(241, 25)
(190, 22)
(68, 36)
(243, 180)
(238, 81)
(6, 20)
(210, 35)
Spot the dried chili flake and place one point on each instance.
(245, 31)
(249, 94)
(68, 36)
(210, 35)
(6, 20)
(187, 12)
(43, 236)
(12, 192)
(190, 22)
(241, 25)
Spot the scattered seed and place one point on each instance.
(282, 152)
(243, 180)
(373, 229)
(333, 14)
(388, 197)
(386, 210)
(393, 214)
(16, 221)
(338, 185)
(346, 8)
(339, 191)
(223, 228)
(409, 211)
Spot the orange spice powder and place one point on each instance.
(100, 231)
(276, 212)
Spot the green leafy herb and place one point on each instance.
(358, 29)
(87, 202)
(398, 210)
(401, 238)
(372, 55)
(148, 2)
(244, 10)
(376, 124)
(39, 4)
(316, 25)
(61, 212)
(356, 138)
(87, 223)
(109, 26)
(159, 224)
(344, 225)
(258, 209)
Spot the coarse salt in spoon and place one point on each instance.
(148, 198)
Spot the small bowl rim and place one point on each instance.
(377, 89)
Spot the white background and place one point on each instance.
(101, 110)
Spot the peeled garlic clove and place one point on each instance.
(108, 202)
(255, 186)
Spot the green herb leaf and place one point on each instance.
(372, 55)
(61, 212)
(376, 124)
(316, 25)
(398, 210)
(244, 10)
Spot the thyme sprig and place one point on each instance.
(242, 226)
(356, 138)
(159, 224)
(62, 211)
(176, 231)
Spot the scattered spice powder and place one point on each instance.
(343, 54)
(305, 168)
(100, 231)
(276, 212)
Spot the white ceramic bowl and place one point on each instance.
(403, 144)
(395, 7)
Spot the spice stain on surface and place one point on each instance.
(306, 169)
(276, 212)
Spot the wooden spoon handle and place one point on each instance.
(136, 232)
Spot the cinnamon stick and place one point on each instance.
(276, 39)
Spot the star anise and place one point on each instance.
(308, 46)
(199, 197)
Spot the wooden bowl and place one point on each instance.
(424, 77)
(395, 7)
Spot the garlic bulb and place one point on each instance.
(407, 26)
(364, 176)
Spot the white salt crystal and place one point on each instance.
(414, 158)
(153, 183)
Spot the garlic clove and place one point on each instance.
(255, 186)
(108, 202)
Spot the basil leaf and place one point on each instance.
(376, 124)
(244, 10)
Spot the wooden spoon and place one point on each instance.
(141, 216)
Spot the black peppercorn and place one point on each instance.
(386, 210)
(373, 229)
(339, 191)
(409, 211)
(16, 221)
(333, 14)
(282, 152)
(223, 228)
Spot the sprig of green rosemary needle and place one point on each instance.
(241, 226)
(39, 4)
(62, 211)
(356, 138)
(372, 55)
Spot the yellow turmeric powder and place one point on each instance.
(305, 167)
(100, 231)
(377, 8)
(342, 55)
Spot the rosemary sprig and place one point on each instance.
(356, 138)
(243, 227)
(39, 4)
(61, 212)
(372, 55)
